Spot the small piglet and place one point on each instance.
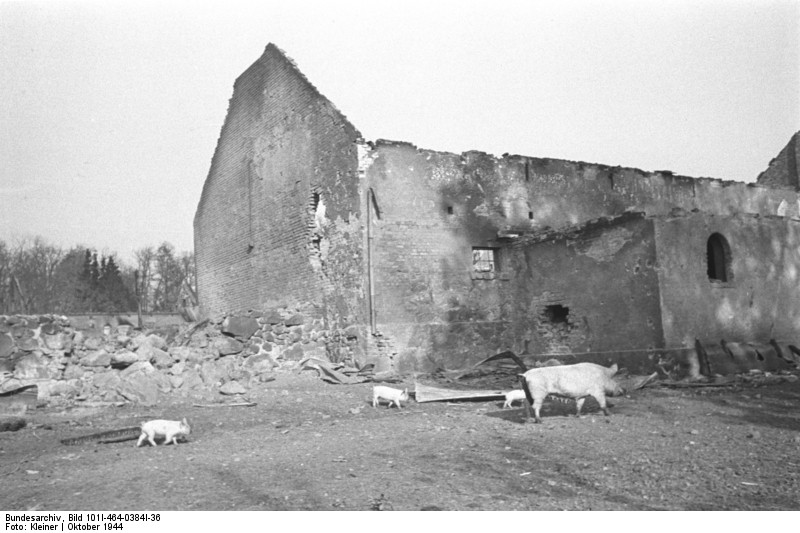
(169, 429)
(514, 396)
(380, 392)
(573, 381)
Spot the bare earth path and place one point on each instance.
(309, 445)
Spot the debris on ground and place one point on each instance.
(340, 374)
(335, 373)
(105, 437)
(238, 404)
(633, 382)
(426, 393)
(18, 400)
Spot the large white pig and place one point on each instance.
(573, 381)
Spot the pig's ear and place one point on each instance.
(613, 369)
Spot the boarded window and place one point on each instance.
(718, 253)
(484, 263)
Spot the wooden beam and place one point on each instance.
(426, 393)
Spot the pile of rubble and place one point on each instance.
(228, 355)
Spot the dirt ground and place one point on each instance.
(309, 445)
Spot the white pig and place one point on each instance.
(387, 393)
(573, 381)
(514, 396)
(169, 429)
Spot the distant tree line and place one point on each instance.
(37, 277)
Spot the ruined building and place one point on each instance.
(435, 259)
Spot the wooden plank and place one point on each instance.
(426, 393)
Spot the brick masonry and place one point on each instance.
(278, 222)
(590, 259)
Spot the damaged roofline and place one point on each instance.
(580, 164)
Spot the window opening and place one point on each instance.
(718, 257)
(484, 262)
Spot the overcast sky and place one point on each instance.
(110, 111)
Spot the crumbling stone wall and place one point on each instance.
(228, 355)
(278, 222)
(435, 208)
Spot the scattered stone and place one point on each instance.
(241, 327)
(162, 381)
(143, 367)
(6, 346)
(214, 373)
(51, 388)
(227, 346)
(294, 320)
(93, 343)
(192, 379)
(139, 388)
(259, 363)
(31, 366)
(124, 357)
(106, 380)
(755, 434)
(232, 387)
(176, 381)
(156, 341)
(73, 371)
(272, 319)
(157, 356)
(295, 353)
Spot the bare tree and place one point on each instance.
(168, 277)
(189, 292)
(144, 265)
(33, 267)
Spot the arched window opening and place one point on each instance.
(718, 253)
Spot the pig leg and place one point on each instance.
(601, 399)
(141, 438)
(579, 403)
(374, 401)
(150, 439)
(537, 406)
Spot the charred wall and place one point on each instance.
(592, 290)
(437, 211)
(437, 208)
